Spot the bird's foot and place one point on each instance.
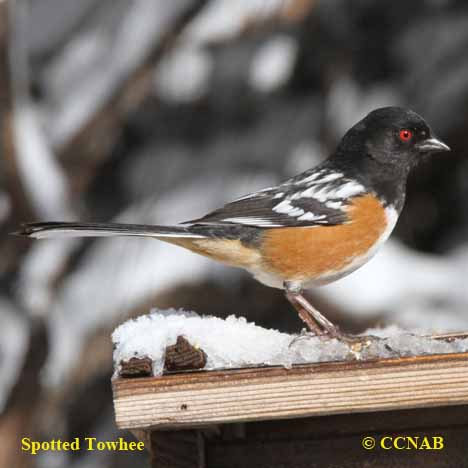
(308, 335)
(360, 345)
(357, 344)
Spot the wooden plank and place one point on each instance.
(179, 449)
(340, 425)
(336, 441)
(334, 452)
(211, 397)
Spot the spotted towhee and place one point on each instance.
(310, 230)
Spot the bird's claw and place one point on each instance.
(357, 344)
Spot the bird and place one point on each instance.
(310, 230)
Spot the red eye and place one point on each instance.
(406, 135)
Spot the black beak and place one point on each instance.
(432, 145)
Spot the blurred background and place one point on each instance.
(153, 111)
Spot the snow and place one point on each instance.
(273, 63)
(408, 288)
(223, 19)
(411, 344)
(119, 50)
(13, 346)
(347, 103)
(304, 155)
(183, 75)
(35, 162)
(41, 265)
(228, 343)
(235, 342)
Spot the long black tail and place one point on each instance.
(62, 229)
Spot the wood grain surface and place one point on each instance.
(194, 399)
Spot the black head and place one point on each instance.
(392, 135)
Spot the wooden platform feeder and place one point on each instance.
(314, 415)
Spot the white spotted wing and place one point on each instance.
(315, 198)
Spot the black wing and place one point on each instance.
(314, 198)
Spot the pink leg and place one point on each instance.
(315, 321)
(304, 315)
